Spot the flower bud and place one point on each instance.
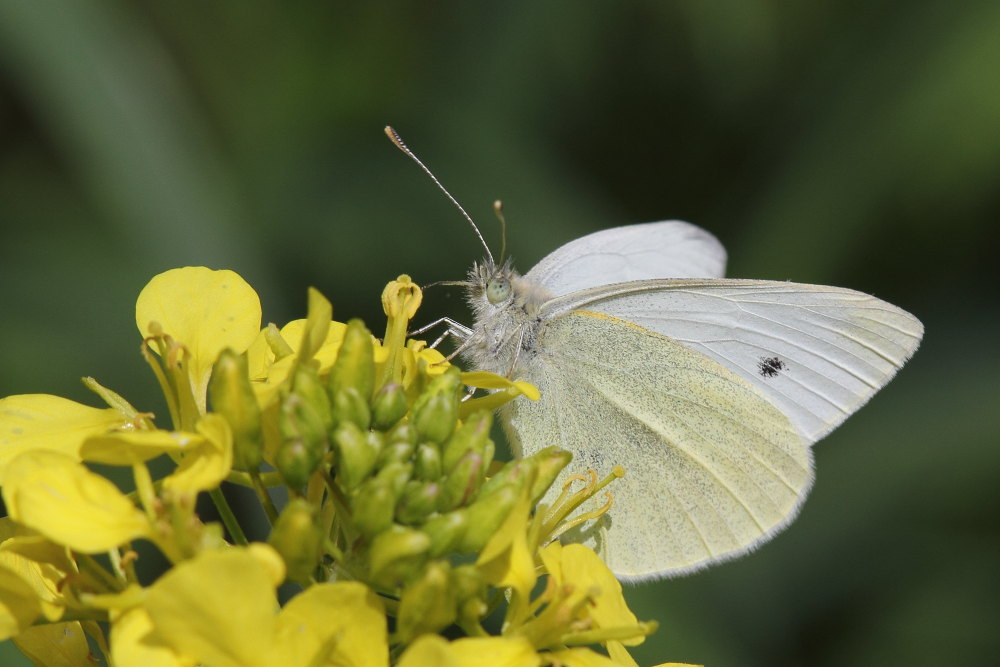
(395, 554)
(417, 502)
(514, 473)
(388, 406)
(427, 462)
(435, 412)
(355, 364)
(357, 451)
(396, 452)
(428, 604)
(232, 397)
(297, 538)
(469, 587)
(445, 531)
(373, 505)
(350, 406)
(485, 516)
(402, 432)
(396, 475)
(298, 419)
(295, 462)
(307, 386)
(460, 486)
(471, 436)
(551, 461)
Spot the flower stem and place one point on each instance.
(227, 516)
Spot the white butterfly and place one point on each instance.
(708, 391)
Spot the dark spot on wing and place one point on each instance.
(770, 367)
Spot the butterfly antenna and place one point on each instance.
(498, 210)
(395, 138)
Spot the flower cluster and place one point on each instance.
(375, 470)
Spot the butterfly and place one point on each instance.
(709, 391)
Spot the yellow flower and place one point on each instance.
(574, 564)
(434, 651)
(57, 496)
(220, 609)
(506, 560)
(39, 562)
(55, 645)
(40, 421)
(204, 310)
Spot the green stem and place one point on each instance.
(264, 496)
(227, 516)
(90, 567)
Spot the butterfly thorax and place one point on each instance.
(505, 308)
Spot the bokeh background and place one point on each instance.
(846, 143)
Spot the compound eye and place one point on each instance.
(498, 290)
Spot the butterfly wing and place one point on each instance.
(712, 467)
(671, 249)
(817, 353)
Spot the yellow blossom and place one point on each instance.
(41, 563)
(55, 645)
(434, 651)
(41, 421)
(206, 311)
(220, 609)
(574, 563)
(57, 496)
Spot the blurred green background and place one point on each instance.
(845, 143)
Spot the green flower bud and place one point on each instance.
(355, 364)
(357, 452)
(397, 452)
(485, 516)
(388, 406)
(396, 554)
(428, 604)
(513, 473)
(427, 462)
(396, 475)
(472, 436)
(551, 461)
(232, 397)
(469, 586)
(402, 432)
(296, 462)
(299, 420)
(459, 487)
(349, 406)
(307, 386)
(417, 501)
(467, 581)
(373, 505)
(445, 531)
(297, 538)
(435, 412)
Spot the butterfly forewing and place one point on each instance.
(712, 467)
(669, 249)
(817, 353)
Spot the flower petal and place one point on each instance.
(218, 608)
(340, 623)
(43, 421)
(576, 564)
(124, 448)
(57, 496)
(206, 466)
(19, 606)
(56, 645)
(205, 310)
(133, 644)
